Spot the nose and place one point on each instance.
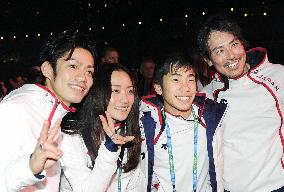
(81, 76)
(185, 86)
(115, 60)
(124, 97)
(230, 54)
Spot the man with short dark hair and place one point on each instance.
(180, 131)
(30, 154)
(254, 90)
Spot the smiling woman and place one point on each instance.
(102, 150)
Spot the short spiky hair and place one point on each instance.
(65, 43)
(217, 23)
(173, 63)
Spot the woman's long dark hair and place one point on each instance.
(88, 123)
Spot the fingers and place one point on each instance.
(53, 133)
(128, 138)
(44, 153)
(120, 140)
(108, 126)
(50, 148)
(110, 122)
(44, 132)
(105, 126)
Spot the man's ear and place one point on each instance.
(158, 89)
(47, 70)
(208, 61)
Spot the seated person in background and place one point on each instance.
(110, 55)
(145, 79)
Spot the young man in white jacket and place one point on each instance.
(30, 153)
(181, 138)
(254, 90)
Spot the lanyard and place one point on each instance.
(170, 153)
(119, 161)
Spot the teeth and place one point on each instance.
(77, 88)
(232, 65)
(122, 108)
(183, 98)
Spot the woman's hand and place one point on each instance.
(109, 129)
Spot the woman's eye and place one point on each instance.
(131, 91)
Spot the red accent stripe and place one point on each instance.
(258, 49)
(201, 107)
(278, 109)
(159, 115)
(218, 90)
(52, 112)
(71, 109)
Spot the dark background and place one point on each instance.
(152, 38)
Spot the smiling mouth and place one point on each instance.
(232, 65)
(78, 87)
(183, 98)
(123, 109)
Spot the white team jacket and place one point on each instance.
(253, 126)
(154, 157)
(80, 176)
(22, 113)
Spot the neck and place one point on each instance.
(183, 114)
(246, 68)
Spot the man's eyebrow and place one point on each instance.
(175, 73)
(218, 47)
(73, 59)
(215, 48)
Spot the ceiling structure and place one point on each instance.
(136, 27)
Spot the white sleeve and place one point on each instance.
(75, 162)
(14, 162)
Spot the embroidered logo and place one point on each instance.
(143, 155)
(164, 146)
